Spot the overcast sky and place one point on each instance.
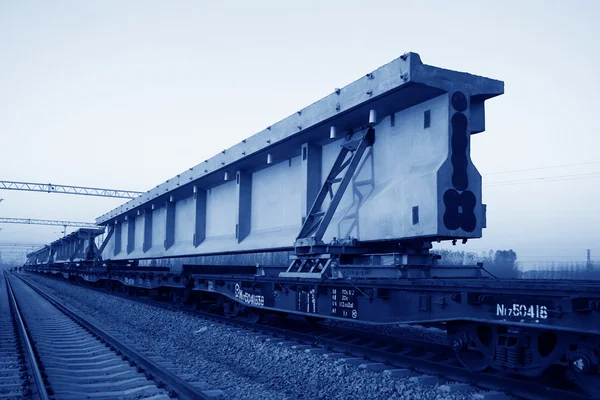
(127, 94)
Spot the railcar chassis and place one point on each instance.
(524, 327)
(520, 327)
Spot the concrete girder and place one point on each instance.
(417, 181)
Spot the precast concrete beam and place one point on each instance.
(416, 182)
(395, 86)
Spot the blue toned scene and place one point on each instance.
(269, 200)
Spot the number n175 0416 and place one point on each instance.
(517, 310)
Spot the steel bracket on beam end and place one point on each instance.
(316, 222)
(315, 259)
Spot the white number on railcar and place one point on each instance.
(249, 298)
(522, 311)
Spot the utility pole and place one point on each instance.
(589, 260)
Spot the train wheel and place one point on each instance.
(198, 303)
(471, 344)
(255, 315)
(584, 371)
(188, 294)
(231, 309)
(173, 296)
(473, 360)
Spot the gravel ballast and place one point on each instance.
(242, 365)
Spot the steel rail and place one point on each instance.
(177, 386)
(448, 368)
(37, 376)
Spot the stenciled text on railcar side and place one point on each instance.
(255, 300)
(344, 303)
(522, 311)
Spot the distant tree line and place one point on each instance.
(564, 270)
(500, 263)
(504, 264)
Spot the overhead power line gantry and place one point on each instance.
(30, 221)
(50, 188)
(65, 189)
(20, 245)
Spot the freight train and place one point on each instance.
(332, 213)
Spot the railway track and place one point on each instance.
(78, 360)
(17, 361)
(428, 362)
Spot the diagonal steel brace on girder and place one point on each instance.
(111, 230)
(77, 249)
(316, 222)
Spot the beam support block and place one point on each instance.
(311, 161)
(244, 205)
(200, 216)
